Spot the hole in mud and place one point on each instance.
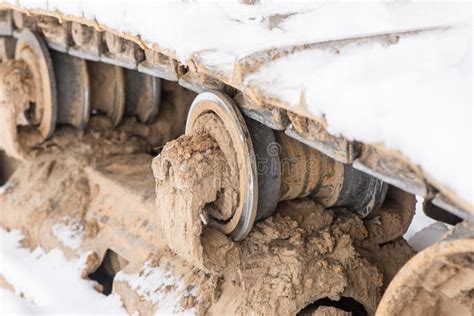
(105, 273)
(7, 167)
(31, 114)
(347, 304)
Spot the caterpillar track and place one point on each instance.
(249, 179)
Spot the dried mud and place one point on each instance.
(301, 254)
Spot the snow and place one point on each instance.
(47, 283)
(428, 236)
(151, 284)
(424, 231)
(70, 233)
(414, 96)
(4, 188)
(188, 27)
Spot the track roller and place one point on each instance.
(42, 111)
(271, 167)
(143, 96)
(73, 90)
(107, 90)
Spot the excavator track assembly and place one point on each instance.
(253, 205)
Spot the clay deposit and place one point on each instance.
(14, 95)
(304, 252)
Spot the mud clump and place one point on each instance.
(14, 96)
(189, 176)
(301, 254)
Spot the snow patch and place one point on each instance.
(47, 283)
(4, 188)
(70, 232)
(414, 96)
(158, 286)
(428, 236)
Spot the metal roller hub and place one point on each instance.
(107, 90)
(73, 90)
(273, 167)
(143, 96)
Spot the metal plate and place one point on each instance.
(398, 172)
(31, 48)
(107, 87)
(159, 65)
(73, 90)
(56, 33)
(143, 96)
(440, 200)
(337, 148)
(121, 52)
(273, 117)
(87, 42)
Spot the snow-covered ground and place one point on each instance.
(47, 283)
